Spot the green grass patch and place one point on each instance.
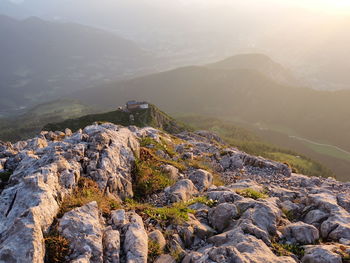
(154, 250)
(251, 193)
(149, 178)
(203, 200)
(288, 250)
(86, 192)
(176, 213)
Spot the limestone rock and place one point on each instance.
(111, 244)
(300, 233)
(136, 240)
(157, 237)
(222, 216)
(201, 179)
(183, 190)
(165, 259)
(83, 229)
(172, 171)
(321, 254)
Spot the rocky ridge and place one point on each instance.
(109, 193)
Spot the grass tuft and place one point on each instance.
(154, 250)
(288, 250)
(251, 193)
(86, 192)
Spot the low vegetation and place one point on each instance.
(86, 192)
(176, 213)
(56, 248)
(251, 193)
(288, 249)
(154, 250)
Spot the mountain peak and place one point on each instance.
(139, 116)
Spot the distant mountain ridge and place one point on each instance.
(261, 63)
(42, 60)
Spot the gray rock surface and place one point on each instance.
(136, 240)
(300, 233)
(201, 179)
(222, 215)
(157, 237)
(220, 226)
(321, 254)
(82, 228)
(111, 244)
(182, 190)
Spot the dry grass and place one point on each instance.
(86, 192)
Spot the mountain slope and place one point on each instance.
(42, 60)
(30, 122)
(260, 63)
(142, 118)
(239, 95)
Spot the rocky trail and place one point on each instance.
(113, 194)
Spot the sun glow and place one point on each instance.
(328, 6)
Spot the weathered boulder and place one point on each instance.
(222, 215)
(118, 218)
(83, 229)
(165, 259)
(344, 201)
(231, 162)
(182, 190)
(263, 213)
(172, 171)
(111, 153)
(300, 233)
(201, 179)
(337, 225)
(136, 240)
(236, 246)
(29, 205)
(321, 254)
(111, 244)
(157, 237)
(315, 217)
(224, 196)
(290, 209)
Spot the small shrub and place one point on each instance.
(202, 200)
(149, 178)
(154, 250)
(176, 214)
(56, 248)
(288, 249)
(251, 193)
(177, 255)
(86, 192)
(162, 145)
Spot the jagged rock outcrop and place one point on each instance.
(44, 173)
(83, 229)
(259, 212)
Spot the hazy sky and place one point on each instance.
(324, 6)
